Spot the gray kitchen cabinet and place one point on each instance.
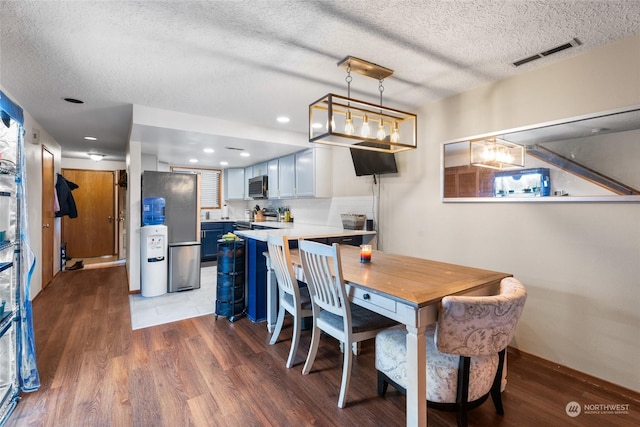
(261, 169)
(248, 174)
(274, 189)
(234, 184)
(303, 174)
(313, 173)
(287, 176)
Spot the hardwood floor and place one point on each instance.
(96, 371)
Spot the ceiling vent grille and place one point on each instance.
(572, 43)
(234, 148)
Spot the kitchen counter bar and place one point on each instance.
(296, 231)
(261, 283)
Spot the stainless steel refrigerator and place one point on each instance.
(181, 192)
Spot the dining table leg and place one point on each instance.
(416, 376)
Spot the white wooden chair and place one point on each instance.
(465, 350)
(332, 311)
(292, 298)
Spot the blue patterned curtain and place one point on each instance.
(27, 368)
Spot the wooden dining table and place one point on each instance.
(408, 290)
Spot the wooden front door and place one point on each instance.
(92, 233)
(47, 216)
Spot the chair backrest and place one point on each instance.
(476, 325)
(323, 272)
(280, 259)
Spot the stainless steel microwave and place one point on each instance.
(259, 187)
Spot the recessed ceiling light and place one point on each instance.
(223, 163)
(208, 150)
(73, 100)
(283, 119)
(193, 160)
(90, 138)
(316, 125)
(245, 154)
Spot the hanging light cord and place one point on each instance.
(348, 80)
(381, 89)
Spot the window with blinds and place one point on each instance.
(210, 184)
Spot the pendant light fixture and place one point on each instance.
(496, 153)
(347, 121)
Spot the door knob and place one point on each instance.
(110, 218)
(45, 225)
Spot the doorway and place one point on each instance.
(92, 233)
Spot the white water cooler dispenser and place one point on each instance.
(154, 255)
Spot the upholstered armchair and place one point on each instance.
(465, 350)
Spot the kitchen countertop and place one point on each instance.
(274, 224)
(221, 220)
(294, 231)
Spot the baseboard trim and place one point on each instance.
(580, 376)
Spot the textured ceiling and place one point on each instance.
(251, 61)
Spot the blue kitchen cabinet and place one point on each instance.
(256, 280)
(211, 232)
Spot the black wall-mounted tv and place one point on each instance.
(367, 162)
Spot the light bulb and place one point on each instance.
(381, 134)
(395, 133)
(348, 125)
(487, 153)
(365, 132)
(333, 124)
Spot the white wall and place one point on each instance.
(134, 217)
(580, 262)
(88, 164)
(33, 164)
(33, 161)
(149, 162)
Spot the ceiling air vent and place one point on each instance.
(234, 148)
(525, 60)
(572, 43)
